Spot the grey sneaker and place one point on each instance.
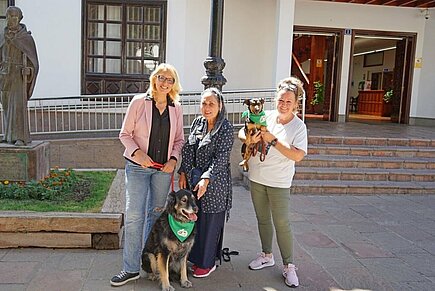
(261, 262)
(289, 273)
(123, 278)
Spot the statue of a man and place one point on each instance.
(18, 70)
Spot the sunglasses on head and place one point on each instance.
(162, 79)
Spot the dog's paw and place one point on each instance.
(152, 277)
(186, 284)
(168, 288)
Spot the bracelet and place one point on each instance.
(274, 142)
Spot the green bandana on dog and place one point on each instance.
(182, 230)
(256, 118)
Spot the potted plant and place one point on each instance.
(388, 96)
(386, 108)
(319, 97)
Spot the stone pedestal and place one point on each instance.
(24, 163)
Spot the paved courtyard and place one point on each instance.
(382, 242)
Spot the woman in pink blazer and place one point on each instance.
(152, 134)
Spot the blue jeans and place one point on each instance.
(146, 193)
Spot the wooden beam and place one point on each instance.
(62, 222)
(45, 239)
(409, 3)
(426, 4)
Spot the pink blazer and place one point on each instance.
(136, 128)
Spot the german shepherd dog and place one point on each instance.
(255, 120)
(164, 252)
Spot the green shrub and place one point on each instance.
(52, 187)
(61, 190)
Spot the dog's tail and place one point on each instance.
(146, 263)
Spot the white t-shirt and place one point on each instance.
(278, 170)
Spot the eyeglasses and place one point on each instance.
(162, 79)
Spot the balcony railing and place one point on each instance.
(105, 113)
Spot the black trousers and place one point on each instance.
(208, 240)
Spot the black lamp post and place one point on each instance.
(214, 64)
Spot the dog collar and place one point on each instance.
(259, 118)
(182, 230)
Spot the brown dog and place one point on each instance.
(255, 120)
(167, 247)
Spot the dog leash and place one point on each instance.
(226, 254)
(159, 166)
(263, 150)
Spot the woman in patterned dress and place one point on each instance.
(207, 150)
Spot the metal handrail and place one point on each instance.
(105, 113)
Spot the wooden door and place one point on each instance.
(402, 80)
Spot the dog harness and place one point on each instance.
(182, 230)
(259, 118)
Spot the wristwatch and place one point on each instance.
(274, 141)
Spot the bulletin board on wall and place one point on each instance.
(374, 59)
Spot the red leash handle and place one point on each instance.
(159, 166)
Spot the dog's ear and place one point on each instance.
(262, 100)
(247, 102)
(171, 200)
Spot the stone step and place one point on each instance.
(370, 141)
(364, 174)
(376, 151)
(343, 161)
(361, 187)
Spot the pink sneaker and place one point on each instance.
(202, 273)
(262, 261)
(289, 273)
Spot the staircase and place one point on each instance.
(360, 165)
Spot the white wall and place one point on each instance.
(56, 28)
(187, 41)
(284, 15)
(250, 44)
(425, 105)
(370, 17)
(249, 39)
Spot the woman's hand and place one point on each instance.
(267, 136)
(201, 187)
(142, 158)
(169, 167)
(182, 181)
(256, 137)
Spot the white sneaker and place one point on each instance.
(261, 262)
(289, 273)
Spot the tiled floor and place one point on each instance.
(369, 129)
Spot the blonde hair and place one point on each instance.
(292, 84)
(176, 87)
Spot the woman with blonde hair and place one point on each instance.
(271, 179)
(152, 134)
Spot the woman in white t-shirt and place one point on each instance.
(271, 179)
